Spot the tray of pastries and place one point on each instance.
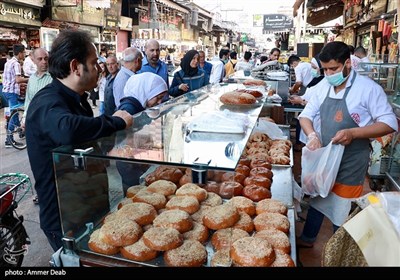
(183, 224)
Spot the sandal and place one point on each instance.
(35, 200)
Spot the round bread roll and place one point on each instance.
(243, 204)
(271, 206)
(244, 161)
(258, 181)
(260, 163)
(190, 254)
(150, 178)
(234, 98)
(198, 216)
(230, 189)
(256, 193)
(221, 216)
(212, 200)
(253, 252)
(188, 204)
(125, 201)
(224, 238)
(169, 174)
(141, 213)
(282, 260)
(177, 219)
(254, 82)
(97, 245)
(185, 179)
(163, 187)
(271, 220)
(243, 169)
(194, 190)
(133, 190)
(212, 187)
(138, 251)
(157, 200)
(120, 232)
(198, 232)
(261, 171)
(221, 258)
(245, 222)
(162, 239)
(278, 239)
(110, 217)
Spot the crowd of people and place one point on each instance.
(340, 106)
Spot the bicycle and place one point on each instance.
(15, 131)
(14, 239)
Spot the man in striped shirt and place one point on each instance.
(41, 78)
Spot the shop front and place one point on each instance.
(19, 23)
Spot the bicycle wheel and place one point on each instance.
(15, 133)
(13, 240)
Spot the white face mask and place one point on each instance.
(337, 79)
(314, 73)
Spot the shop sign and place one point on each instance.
(277, 21)
(19, 14)
(112, 15)
(36, 3)
(84, 14)
(125, 23)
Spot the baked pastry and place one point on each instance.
(221, 258)
(261, 171)
(258, 181)
(222, 216)
(252, 251)
(190, 254)
(256, 193)
(230, 189)
(212, 187)
(97, 245)
(141, 213)
(188, 204)
(243, 204)
(282, 260)
(138, 251)
(278, 239)
(133, 190)
(212, 200)
(198, 232)
(177, 219)
(120, 232)
(224, 238)
(194, 190)
(254, 82)
(255, 93)
(271, 206)
(162, 239)
(155, 199)
(245, 223)
(163, 187)
(271, 220)
(198, 216)
(235, 98)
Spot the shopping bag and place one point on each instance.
(375, 235)
(320, 168)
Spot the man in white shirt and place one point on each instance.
(302, 71)
(352, 109)
(29, 66)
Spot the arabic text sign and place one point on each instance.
(277, 21)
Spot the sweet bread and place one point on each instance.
(162, 239)
(190, 254)
(138, 251)
(198, 232)
(271, 220)
(243, 204)
(253, 252)
(256, 193)
(188, 204)
(163, 187)
(235, 98)
(177, 219)
(221, 216)
(245, 223)
(212, 200)
(97, 245)
(230, 189)
(194, 190)
(141, 213)
(224, 238)
(278, 239)
(271, 206)
(120, 232)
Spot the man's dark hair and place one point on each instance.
(18, 48)
(360, 49)
(223, 52)
(263, 58)
(247, 55)
(337, 51)
(275, 50)
(3, 50)
(292, 59)
(233, 55)
(69, 45)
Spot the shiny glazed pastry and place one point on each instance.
(234, 98)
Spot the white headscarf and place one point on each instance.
(144, 86)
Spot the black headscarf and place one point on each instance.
(185, 63)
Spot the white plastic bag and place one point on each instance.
(320, 168)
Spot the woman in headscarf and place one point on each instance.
(189, 77)
(142, 91)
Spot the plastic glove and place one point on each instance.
(313, 141)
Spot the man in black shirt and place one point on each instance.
(60, 114)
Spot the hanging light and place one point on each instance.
(153, 10)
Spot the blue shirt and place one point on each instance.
(161, 69)
(119, 84)
(197, 81)
(207, 68)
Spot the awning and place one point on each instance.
(173, 5)
(320, 11)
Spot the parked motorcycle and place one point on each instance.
(14, 239)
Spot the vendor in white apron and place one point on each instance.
(352, 109)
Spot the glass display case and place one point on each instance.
(195, 131)
(385, 74)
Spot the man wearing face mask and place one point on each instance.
(351, 109)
